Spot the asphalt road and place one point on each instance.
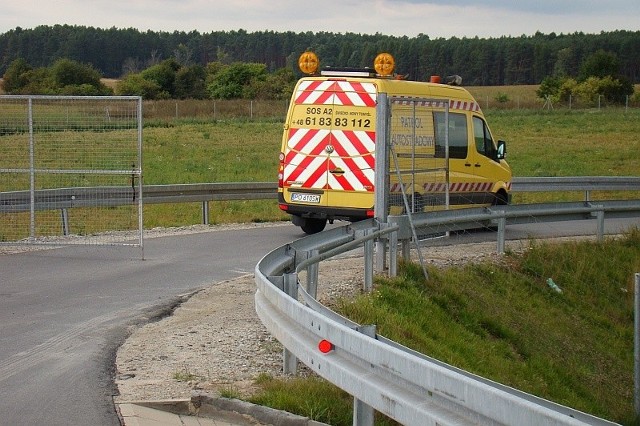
(64, 312)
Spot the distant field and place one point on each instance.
(539, 143)
(516, 96)
(210, 146)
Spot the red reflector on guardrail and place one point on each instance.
(325, 346)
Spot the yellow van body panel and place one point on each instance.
(328, 146)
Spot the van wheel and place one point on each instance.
(500, 199)
(313, 226)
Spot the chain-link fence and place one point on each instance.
(418, 154)
(70, 160)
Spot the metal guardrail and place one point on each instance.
(381, 374)
(575, 183)
(64, 198)
(500, 216)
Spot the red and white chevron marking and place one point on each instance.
(332, 92)
(453, 104)
(459, 187)
(453, 187)
(308, 164)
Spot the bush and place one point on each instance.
(136, 85)
(64, 77)
(595, 89)
(502, 98)
(238, 80)
(588, 91)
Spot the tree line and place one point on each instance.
(594, 76)
(499, 61)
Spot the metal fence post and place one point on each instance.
(32, 173)
(381, 181)
(393, 254)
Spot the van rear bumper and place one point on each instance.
(320, 212)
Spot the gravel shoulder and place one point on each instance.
(215, 342)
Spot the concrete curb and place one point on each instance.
(233, 411)
(205, 403)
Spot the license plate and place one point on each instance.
(305, 198)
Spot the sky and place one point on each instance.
(435, 18)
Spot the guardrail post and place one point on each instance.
(600, 226)
(290, 361)
(205, 212)
(312, 275)
(64, 215)
(363, 414)
(636, 346)
(406, 250)
(502, 225)
(381, 255)
(393, 254)
(368, 266)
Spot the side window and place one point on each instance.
(482, 136)
(458, 139)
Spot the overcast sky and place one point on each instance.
(435, 18)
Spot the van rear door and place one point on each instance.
(329, 158)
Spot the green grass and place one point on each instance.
(504, 322)
(233, 151)
(311, 397)
(540, 143)
(203, 149)
(569, 143)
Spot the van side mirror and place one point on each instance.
(501, 151)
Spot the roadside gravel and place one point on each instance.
(215, 342)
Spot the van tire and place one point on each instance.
(313, 226)
(501, 199)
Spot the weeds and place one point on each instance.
(574, 347)
(230, 392)
(185, 375)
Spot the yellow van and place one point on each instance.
(327, 159)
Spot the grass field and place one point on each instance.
(569, 143)
(539, 143)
